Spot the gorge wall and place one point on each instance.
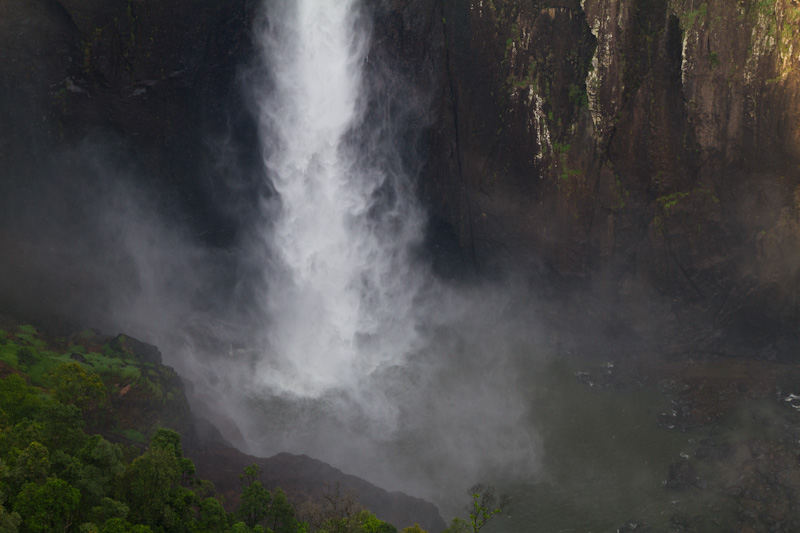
(642, 157)
(639, 161)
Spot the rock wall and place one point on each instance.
(142, 85)
(616, 152)
(648, 150)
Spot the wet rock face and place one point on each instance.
(651, 147)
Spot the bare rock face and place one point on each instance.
(647, 150)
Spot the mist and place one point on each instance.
(364, 358)
(321, 328)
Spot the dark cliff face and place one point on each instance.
(145, 86)
(121, 119)
(639, 155)
(642, 154)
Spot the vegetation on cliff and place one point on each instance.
(55, 476)
(482, 507)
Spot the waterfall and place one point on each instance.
(363, 359)
(340, 286)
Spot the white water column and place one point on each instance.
(340, 297)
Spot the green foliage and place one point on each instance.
(213, 517)
(48, 506)
(77, 348)
(149, 483)
(483, 506)
(369, 523)
(713, 59)
(118, 525)
(135, 436)
(31, 340)
(782, 28)
(54, 477)
(30, 330)
(669, 201)
(700, 14)
(281, 517)
(72, 384)
(62, 426)
(46, 363)
(167, 440)
(30, 464)
(95, 470)
(529, 79)
(561, 152)
(109, 509)
(458, 525)
(343, 514)
(84, 382)
(19, 400)
(112, 363)
(414, 529)
(577, 96)
(9, 521)
(25, 357)
(8, 353)
(255, 504)
(170, 441)
(561, 149)
(104, 455)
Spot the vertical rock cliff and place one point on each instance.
(646, 149)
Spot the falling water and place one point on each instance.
(366, 361)
(341, 291)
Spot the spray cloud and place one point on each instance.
(340, 292)
(363, 358)
(322, 330)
